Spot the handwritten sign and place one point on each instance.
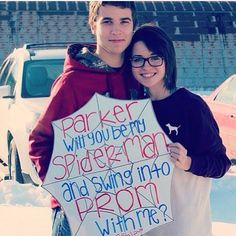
(110, 168)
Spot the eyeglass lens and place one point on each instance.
(154, 61)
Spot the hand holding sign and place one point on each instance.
(110, 168)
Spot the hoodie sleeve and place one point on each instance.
(208, 154)
(62, 103)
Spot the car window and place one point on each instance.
(228, 93)
(11, 78)
(8, 74)
(5, 69)
(39, 76)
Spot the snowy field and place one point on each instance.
(25, 209)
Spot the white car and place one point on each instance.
(26, 76)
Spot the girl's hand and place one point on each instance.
(179, 156)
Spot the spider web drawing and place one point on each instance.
(110, 168)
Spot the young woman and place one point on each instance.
(197, 149)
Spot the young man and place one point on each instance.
(87, 70)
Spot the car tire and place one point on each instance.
(14, 164)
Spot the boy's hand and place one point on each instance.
(179, 156)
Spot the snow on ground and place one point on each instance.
(25, 221)
(25, 209)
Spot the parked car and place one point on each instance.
(26, 77)
(222, 102)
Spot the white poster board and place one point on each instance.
(110, 168)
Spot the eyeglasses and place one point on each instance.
(154, 60)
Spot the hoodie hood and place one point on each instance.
(83, 57)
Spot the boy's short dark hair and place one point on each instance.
(94, 7)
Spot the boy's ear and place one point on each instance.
(93, 27)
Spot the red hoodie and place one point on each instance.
(83, 75)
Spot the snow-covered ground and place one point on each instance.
(24, 209)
